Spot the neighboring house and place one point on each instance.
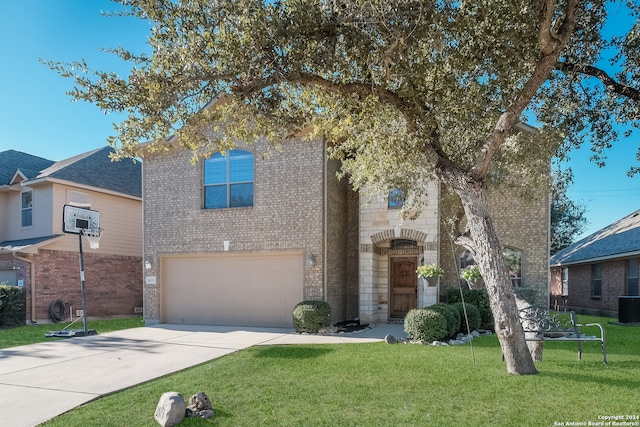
(241, 239)
(36, 254)
(591, 274)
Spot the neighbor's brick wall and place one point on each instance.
(113, 283)
(580, 289)
(521, 224)
(287, 213)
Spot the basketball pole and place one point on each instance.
(84, 297)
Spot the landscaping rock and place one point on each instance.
(390, 339)
(170, 409)
(199, 406)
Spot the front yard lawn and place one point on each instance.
(23, 335)
(394, 385)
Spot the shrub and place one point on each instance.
(450, 314)
(473, 315)
(311, 316)
(425, 324)
(12, 305)
(477, 297)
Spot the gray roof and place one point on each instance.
(18, 245)
(12, 161)
(96, 169)
(617, 240)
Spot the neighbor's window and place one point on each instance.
(27, 209)
(565, 281)
(632, 277)
(396, 198)
(596, 280)
(513, 258)
(228, 180)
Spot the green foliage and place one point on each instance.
(12, 305)
(477, 297)
(452, 316)
(473, 315)
(311, 316)
(429, 270)
(423, 324)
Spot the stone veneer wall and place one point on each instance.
(287, 213)
(113, 283)
(378, 222)
(521, 224)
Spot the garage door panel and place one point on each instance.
(241, 290)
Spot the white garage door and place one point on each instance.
(240, 290)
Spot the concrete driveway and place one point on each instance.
(41, 381)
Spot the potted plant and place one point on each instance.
(471, 274)
(427, 271)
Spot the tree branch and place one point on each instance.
(608, 81)
(551, 43)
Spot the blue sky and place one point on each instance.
(37, 117)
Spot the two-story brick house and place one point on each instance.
(37, 254)
(241, 239)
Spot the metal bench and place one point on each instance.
(542, 324)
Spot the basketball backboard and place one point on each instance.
(75, 219)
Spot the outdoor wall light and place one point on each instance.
(311, 260)
(148, 264)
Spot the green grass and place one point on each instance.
(22, 335)
(378, 384)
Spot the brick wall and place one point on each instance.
(287, 213)
(521, 224)
(113, 283)
(580, 287)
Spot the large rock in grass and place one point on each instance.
(170, 410)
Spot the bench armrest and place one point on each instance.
(593, 324)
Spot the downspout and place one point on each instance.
(33, 283)
(325, 251)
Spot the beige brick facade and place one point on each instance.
(300, 205)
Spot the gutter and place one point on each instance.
(33, 283)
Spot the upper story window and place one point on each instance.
(228, 180)
(27, 209)
(596, 280)
(632, 277)
(396, 198)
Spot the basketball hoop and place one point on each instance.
(93, 236)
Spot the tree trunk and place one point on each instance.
(488, 254)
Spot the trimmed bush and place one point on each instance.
(473, 314)
(424, 324)
(451, 314)
(311, 316)
(477, 297)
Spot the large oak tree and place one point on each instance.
(403, 90)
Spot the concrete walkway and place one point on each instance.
(41, 381)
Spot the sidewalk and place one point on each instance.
(41, 381)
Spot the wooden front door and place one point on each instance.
(403, 285)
